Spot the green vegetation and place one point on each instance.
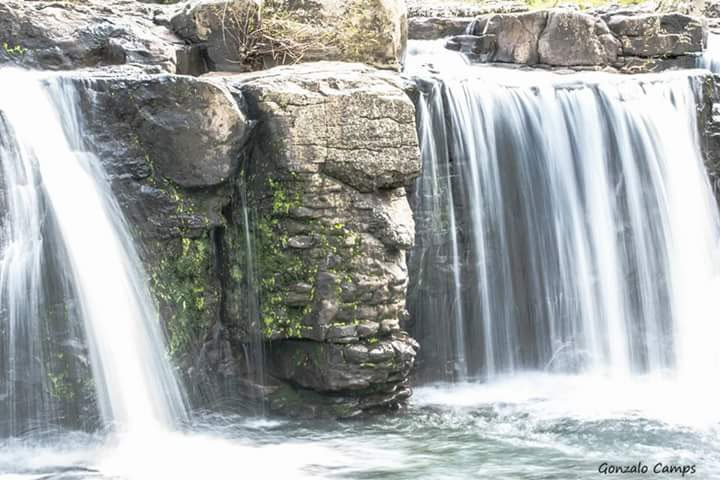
(281, 266)
(181, 281)
(14, 50)
(278, 267)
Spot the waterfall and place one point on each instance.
(565, 224)
(710, 58)
(63, 222)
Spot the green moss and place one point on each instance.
(181, 281)
(14, 50)
(335, 249)
(278, 267)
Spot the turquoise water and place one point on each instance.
(529, 427)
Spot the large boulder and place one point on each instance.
(244, 35)
(334, 147)
(516, 35)
(573, 39)
(67, 35)
(630, 40)
(654, 35)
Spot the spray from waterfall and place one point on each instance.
(60, 203)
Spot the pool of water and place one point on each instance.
(525, 427)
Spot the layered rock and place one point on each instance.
(292, 235)
(334, 147)
(564, 38)
(435, 20)
(244, 35)
(67, 35)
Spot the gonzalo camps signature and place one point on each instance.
(658, 468)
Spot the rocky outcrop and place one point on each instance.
(571, 39)
(67, 35)
(628, 42)
(435, 20)
(516, 36)
(650, 35)
(288, 238)
(244, 35)
(335, 145)
(433, 28)
(171, 146)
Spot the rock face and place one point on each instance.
(173, 185)
(432, 28)
(516, 35)
(66, 35)
(243, 35)
(571, 38)
(334, 147)
(629, 42)
(657, 35)
(292, 234)
(434, 20)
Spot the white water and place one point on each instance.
(521, 425)
(710, 58)
(47, 173)
(589, 231)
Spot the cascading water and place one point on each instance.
(710, 58)
(564, 224)
(573, 226)
(59, 202)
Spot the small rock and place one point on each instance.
(341, 331)
(301, 241)
(356, 353)
(367, 329)
(389, 326)
(381, 353)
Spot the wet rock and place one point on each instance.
(361, 371)
(483, 46)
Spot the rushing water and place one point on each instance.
(58, 196)
(710, 58)
(565, 277)
(525, 427)
(569, 222)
